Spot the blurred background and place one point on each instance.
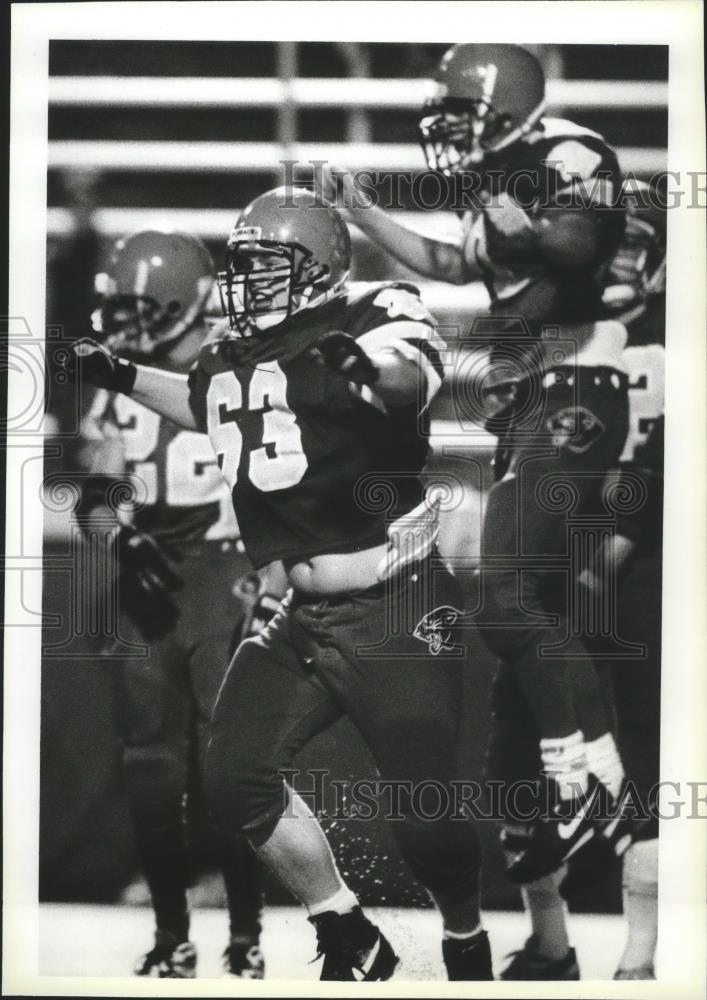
(183, 135)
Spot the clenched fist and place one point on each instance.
(345, 356)
(88, 361)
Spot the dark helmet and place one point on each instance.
(287, 250)
(487, 97)
(153, 290)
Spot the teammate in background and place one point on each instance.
(545, 221)
(315, 400)
(635, 294)
(176, 559)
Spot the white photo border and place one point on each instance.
(677, 23)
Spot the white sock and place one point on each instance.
(565, 760)
(342, 901)
(464, 935)
(603, 760)
(640, 884)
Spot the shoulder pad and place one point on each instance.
(213, 356)
(218, 329)
(556, 128)
(395, 299)
(574, 160)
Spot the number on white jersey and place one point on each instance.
(139, 429)
(192, 476)
(280, 462)
(646, 372)
(286, 463)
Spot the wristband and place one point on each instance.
(124, 375)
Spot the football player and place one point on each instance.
(544, 222)
(176, 559)
(315, 399)
(635, 294)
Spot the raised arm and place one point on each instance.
(166, 393)
(441, 259)
(399, 362)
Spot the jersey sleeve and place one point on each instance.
(397, 320)
(584, 194)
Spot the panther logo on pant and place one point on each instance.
(436, 629)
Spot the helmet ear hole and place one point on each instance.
(174, 306)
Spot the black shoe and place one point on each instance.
(353, 948)
(468, 959)
(527, 964)
(243, 960)
(615, 827)
(552, 840)
(169, 959)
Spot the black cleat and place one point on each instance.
(353, 948)
(614, 830)
(529, 965)
(552, 840)
(169, 959)
(243, 960)
(468, 959)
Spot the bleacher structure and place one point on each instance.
(178, 143)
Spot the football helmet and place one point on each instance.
(153, 291)
(487, 97)
(637, 271)
(287, 250)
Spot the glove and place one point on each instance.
(146, 582)
(258, 607)
(87, 361)
(344, 355)
(264, 610)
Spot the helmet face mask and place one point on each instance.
(457, 140)
(488, 97)
(153, 292)
(132, 324)
(281, 256)
(637, 272)
(266, 282)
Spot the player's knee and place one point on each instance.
(156, 776)
(445, 872)
(444, 855)
(242, 795)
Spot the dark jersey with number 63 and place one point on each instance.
(315, 464)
